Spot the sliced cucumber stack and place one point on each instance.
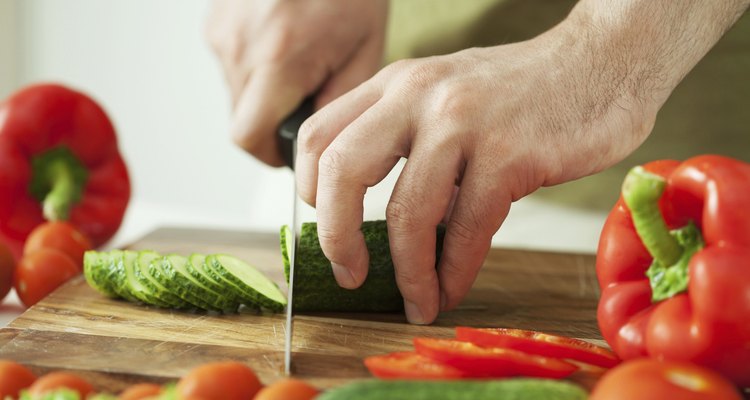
(217, 282)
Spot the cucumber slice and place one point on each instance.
(197, 267)
(315, 287)
(118, 275)
(142, 264)
(134, 285)
(96, 272)
(178, 280)
(255, 287)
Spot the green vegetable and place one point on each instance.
(210, 282)
(506, 389)
(315, 288)
(58, 394)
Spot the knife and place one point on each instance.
(287, 137)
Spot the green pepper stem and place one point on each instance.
(641, 191)
(58, 202)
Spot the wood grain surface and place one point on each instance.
(114, 343)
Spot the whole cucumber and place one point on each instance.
(505, 389)
(315, 288)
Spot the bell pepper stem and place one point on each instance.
(58, 202)
(641, 191)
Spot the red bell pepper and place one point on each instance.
(59, 160)
(674, 265)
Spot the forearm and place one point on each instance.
(644, 48)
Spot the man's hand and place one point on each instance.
(276, 52)
(484, 127)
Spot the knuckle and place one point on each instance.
(402, 215)
(409, 279)
(332, 163)
(331, 240)
(451, 102)
(425, 73)
(311, 138)
(465, 231)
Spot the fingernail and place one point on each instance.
(413, 313)
(443, 301)
(343, 276)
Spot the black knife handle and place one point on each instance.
(289, 129)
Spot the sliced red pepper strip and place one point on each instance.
(705, 321)
(539, 343)
(495, 362)
(59, 160)
(410, 365)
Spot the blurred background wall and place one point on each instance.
(149, 65)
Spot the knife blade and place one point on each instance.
(287, 135)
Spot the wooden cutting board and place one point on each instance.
(114, 343)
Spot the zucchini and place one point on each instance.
(507, 389)
(315, 288)
(255, 287)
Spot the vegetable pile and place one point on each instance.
(223, 380)
(215, 282)
(64, 188)
(673, 265)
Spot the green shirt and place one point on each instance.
(709, 112)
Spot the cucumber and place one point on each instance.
(506, 389)
(118, 275)
(134, 285)
(315, 288)
(96, 272)
(142, 265)
(171, 272)
(255, 287)
(197, 267)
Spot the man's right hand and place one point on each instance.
(275, 53)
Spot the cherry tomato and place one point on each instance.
(410, 365)
(140, 391)
(491, 361)
(41, 272)
(61, 236)
(13, 378)
(227, 380)
(651, 379)
(539, 343)
(7, 268)
(59, 380)
(287, 389)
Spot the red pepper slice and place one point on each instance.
(410, 365)
(59, 160)
(684, 294)
(539, 343)
(485, 362)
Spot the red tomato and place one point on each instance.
(61, 236)
(492, 361)
(410, 365)
(7, 266)
(219, 381)
(13, 378)
(287, 389)
(59, 380)
(140, 391)
(651, 379)
(539, 343)
(41, 272)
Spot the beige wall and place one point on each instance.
(8, 57)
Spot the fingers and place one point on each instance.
(482, 203)
(360, 157)
(270, 95)
(419, 201)
(317, 133)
